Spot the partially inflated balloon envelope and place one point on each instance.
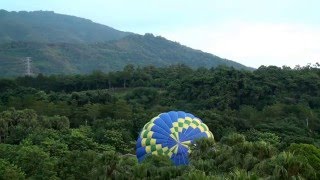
(170, 134)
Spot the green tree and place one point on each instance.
(56, 122)
(15, 125)
(35, 163)
(286, 166)
(310, 152)
(10, 171)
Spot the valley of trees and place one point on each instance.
(266, 123)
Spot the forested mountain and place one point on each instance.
(266, 123)
(50, 27)
(62, 58)
(60, 44)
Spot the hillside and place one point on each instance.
(66, 58)
(61, 44)
(50, 27)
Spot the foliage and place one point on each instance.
(9, 171)
(266, 123)
(308, 151)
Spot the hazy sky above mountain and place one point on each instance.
(252, 32)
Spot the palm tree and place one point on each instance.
(286, 166)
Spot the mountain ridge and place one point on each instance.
(37, 26)
(89, 53)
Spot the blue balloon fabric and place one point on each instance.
(170, 134)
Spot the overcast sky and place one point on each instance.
(252, 32)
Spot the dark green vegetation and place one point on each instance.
(60, 44)
(266, 123)
(49, 27)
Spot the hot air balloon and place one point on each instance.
(170, 134)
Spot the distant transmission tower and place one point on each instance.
(28, 62)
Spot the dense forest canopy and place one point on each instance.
(266, 123)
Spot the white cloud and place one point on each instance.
(254, 44)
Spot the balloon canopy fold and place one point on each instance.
(170, 134)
